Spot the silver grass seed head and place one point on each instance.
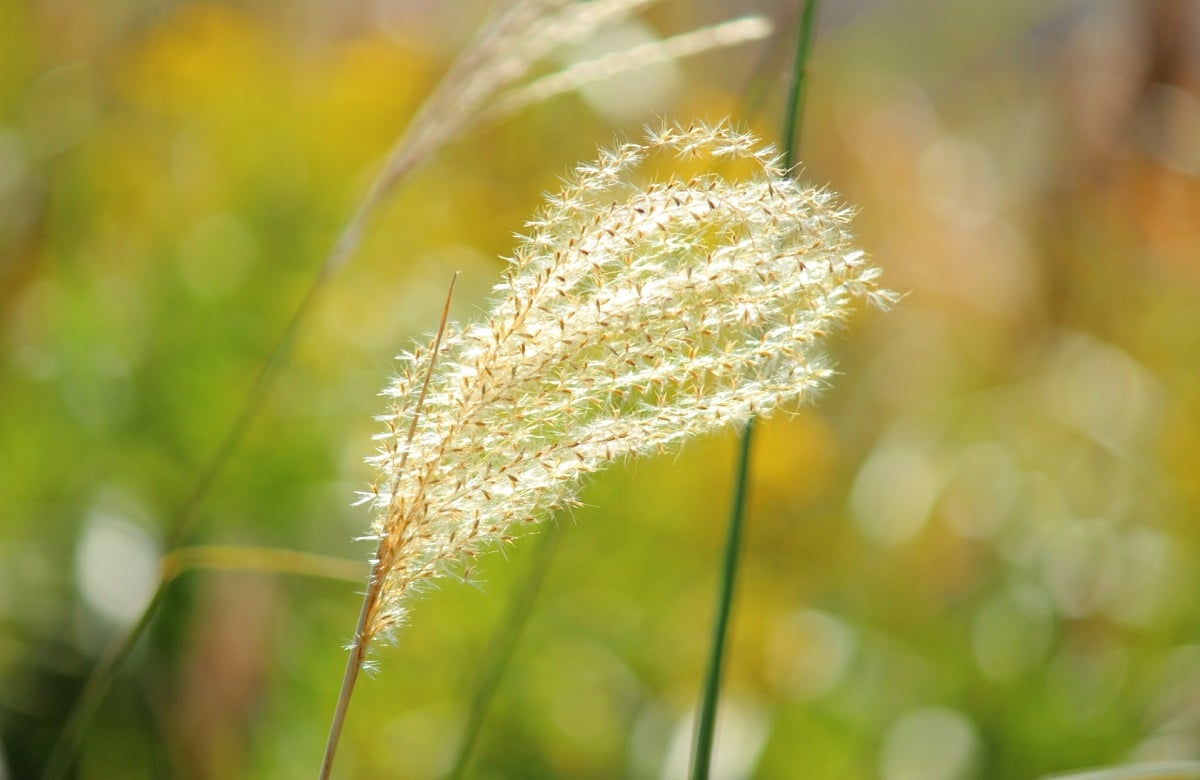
(633, 317)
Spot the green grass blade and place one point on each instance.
(795, 105)
(706, 718)
(503, 644)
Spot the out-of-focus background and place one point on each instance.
(976, 557)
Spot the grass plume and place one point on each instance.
(634, 316)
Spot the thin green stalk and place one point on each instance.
(706, 718)
(503, 644)
(95, 688)
(795, 105)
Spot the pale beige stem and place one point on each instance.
(358, 652)
(363, 631)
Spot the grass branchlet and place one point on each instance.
(633, 317)
(635, 314)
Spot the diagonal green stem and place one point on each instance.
(706, 718)
(96, 687)
(795, 105)
(502, 645)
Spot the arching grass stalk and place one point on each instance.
(706, 717)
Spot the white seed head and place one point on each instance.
(634, 316)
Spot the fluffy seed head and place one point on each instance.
(635, 314)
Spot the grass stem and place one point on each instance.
(503, 644)
(94, 689)
(795, 105)
(363, 632)
(707, 716)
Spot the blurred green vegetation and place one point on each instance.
(976, 557)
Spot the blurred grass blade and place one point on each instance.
(705, 39)
(175, 563)
(795, 105)
(357, 654)
(263, 560)
(1161, 770)
(706, 718)
(94, 689)
(503, 644)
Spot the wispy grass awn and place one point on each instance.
(637, 313)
